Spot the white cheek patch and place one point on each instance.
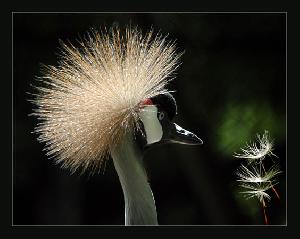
(152, 125)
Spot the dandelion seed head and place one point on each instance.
(256, 174)
(257, 190)
(257, 181)
(257, 150)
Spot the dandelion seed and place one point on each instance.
(258, 190)
(255, 174)
(258, 181)
(257, 150)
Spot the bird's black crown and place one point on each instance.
(167, 103)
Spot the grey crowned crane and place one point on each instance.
(106, 97)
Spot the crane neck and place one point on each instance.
(139, 201)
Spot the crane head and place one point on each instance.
(157, 115)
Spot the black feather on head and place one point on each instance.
(167, 103)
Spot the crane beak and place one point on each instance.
(181, 136)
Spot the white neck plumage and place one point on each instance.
(139, 202)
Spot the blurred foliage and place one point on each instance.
(241, 123)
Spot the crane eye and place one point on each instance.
(161, 115)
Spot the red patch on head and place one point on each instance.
(146, 102)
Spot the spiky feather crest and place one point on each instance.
(90, 100)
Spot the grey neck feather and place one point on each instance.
(139, 202)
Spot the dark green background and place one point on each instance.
(230, 86)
